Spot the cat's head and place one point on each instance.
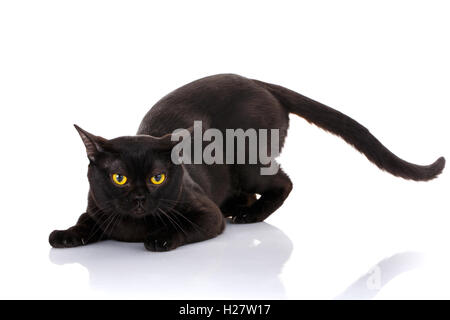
(132, 175)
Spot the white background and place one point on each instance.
(103, 64)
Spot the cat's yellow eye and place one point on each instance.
(158, 178)
(119, 179)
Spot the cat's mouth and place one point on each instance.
(139, 209)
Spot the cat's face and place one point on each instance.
(132, 175)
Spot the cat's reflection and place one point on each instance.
(368, 286)
(243, 263)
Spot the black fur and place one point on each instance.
(191, 205)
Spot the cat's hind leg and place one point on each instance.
(274, 189)
(237, 203)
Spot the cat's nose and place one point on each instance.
(139, 197)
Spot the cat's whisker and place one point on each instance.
(160, 218)
(165, 215)
(113, 217)
(117, 221)
(97, 227)
(174, 223)
(108, 219)
(175, 202)
(187, 219)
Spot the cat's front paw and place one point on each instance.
(65, 239)
(161, 244)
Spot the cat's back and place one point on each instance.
(220, 101)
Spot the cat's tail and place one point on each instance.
(353, 133)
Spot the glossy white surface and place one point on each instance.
(246, 262)
(347, 230)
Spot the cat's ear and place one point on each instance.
(94, 144)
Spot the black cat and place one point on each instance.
(138, 194)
